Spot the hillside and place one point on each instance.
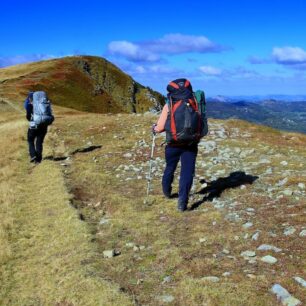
(85, 83)
(243, 237)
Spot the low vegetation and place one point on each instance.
(87, 197)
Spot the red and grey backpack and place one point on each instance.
(184, 122)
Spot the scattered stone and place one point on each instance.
(166, 298)
(269, 171)
(226, 274)
(251, 276)
(303, 233)
(269, 259)
(225, 251)
(167, 279)
(284, 296)
(248, 254)
(104, 221)
(284, 163)
(232, 217)
(264, 161)
(130, 244)
(250, 209)
(288, 192)
(300, 280)
(301, 186)
(271, 234)
(136, 248)
(289, 231)
(282, 182)
(203, 239)
(127, 155)
(247, 225)
(268, 247)
(255, 236)
(139, 281)
(213, 279)
(109, 253)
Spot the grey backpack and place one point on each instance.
(42, 111)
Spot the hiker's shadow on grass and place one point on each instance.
(80, 150)
(215, 188)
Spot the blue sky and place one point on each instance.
(225, 47)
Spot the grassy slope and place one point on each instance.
(104, 191)
(45, 244)
(84, 83)
(45, 249)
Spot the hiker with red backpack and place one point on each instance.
(184, 120)
(39, 114)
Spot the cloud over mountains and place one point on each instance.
(291, 57)
(170, 44)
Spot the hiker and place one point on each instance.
(184, 125)
(39, 114)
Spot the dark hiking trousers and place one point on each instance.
(35, 141)
(187, 155)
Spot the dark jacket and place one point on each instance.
(29, 109)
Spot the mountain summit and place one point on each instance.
(85, 83)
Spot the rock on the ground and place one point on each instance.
(213, 279)
(109, 253)
(248, 254)
(166, 298)
(302, 233)
(288, 192)
(268, 247)
(269, 259)
(300, 280)
(284, 296)
(255, 236)
(247, 225)
(167, 279)
(289, 231)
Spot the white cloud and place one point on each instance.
(210, 70)
(179, 43)
(131, 51)
(170, 44)
(289, 55)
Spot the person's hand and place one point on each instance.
(153, 128)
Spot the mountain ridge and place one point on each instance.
(86, 83)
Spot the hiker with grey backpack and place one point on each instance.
(184, 119)
(39, 114)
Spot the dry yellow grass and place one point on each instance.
(186, 247)
(45, 247)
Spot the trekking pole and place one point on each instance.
(149, 177)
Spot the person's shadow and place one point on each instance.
(215, 188)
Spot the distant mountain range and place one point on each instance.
(283, 115)
(258, 98)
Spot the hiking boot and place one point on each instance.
(181, 206)
(167, 193)
(33, 159)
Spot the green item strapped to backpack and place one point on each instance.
(200, 98)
